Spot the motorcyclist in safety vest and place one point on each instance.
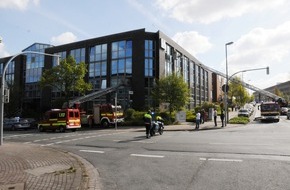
(148, 122)
(159, 118)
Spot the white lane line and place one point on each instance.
(220, 159)
(47, 144)
(145, 142)
(13, 136)
(147, 155)
(241, 144)
(92, 151)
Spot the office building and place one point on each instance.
(137, 57)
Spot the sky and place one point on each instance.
(259, 29)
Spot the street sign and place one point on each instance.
(225, 88)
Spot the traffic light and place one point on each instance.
(267, 70)
(6, 95)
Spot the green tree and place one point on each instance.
(67, 77)
(237, 90)
(173, 90)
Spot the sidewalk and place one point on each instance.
(34, 167)
(189, 126)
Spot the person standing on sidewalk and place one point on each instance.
(215, 117)
(197, 120)
(222, 117)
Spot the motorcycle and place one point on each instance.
(157, 127)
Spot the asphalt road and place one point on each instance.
(255, 156)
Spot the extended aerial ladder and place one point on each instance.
(92, 96)
(246, 85)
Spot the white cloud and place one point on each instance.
(63, 38)
(262, 48)
(193, 42)
(207, 11)
(17, 4)
(3, 52)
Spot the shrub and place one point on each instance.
(190, 116)
(239, 120)
(129, 114)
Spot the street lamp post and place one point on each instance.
(227, 85)
(2, 101)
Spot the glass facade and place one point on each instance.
(33, 70)
(9, 75)
(121, 63)
(78, 54)
(149, 70)
(121, 69)
(185, 71)
(98, 66)
(168, 60)
(62, 56)
(149, 58)
(55, 91)
(178, 64)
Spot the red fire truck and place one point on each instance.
(103, 114)
(60, 119)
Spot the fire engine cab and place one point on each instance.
(60, 119)
(107, 114)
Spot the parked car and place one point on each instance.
(15, 124)
(243, 113)
(288, 114)
(284, 110)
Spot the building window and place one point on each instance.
(34, 63)
(186, 70)
(121, 58)
(78, 54)
(149, 58)
(9, 75)
(168, 60)
(178, 64)
(62, 56)
(98, 65)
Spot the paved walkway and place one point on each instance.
(33, 167)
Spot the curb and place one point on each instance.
(91, 174)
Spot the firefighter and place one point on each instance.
(148, 123)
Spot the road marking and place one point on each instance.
(220, 159)
(147, 155)
(47, 144)
(241, 144)
(13, 136)
(145, 142)
(92, 151)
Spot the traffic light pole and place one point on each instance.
(226, 88)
